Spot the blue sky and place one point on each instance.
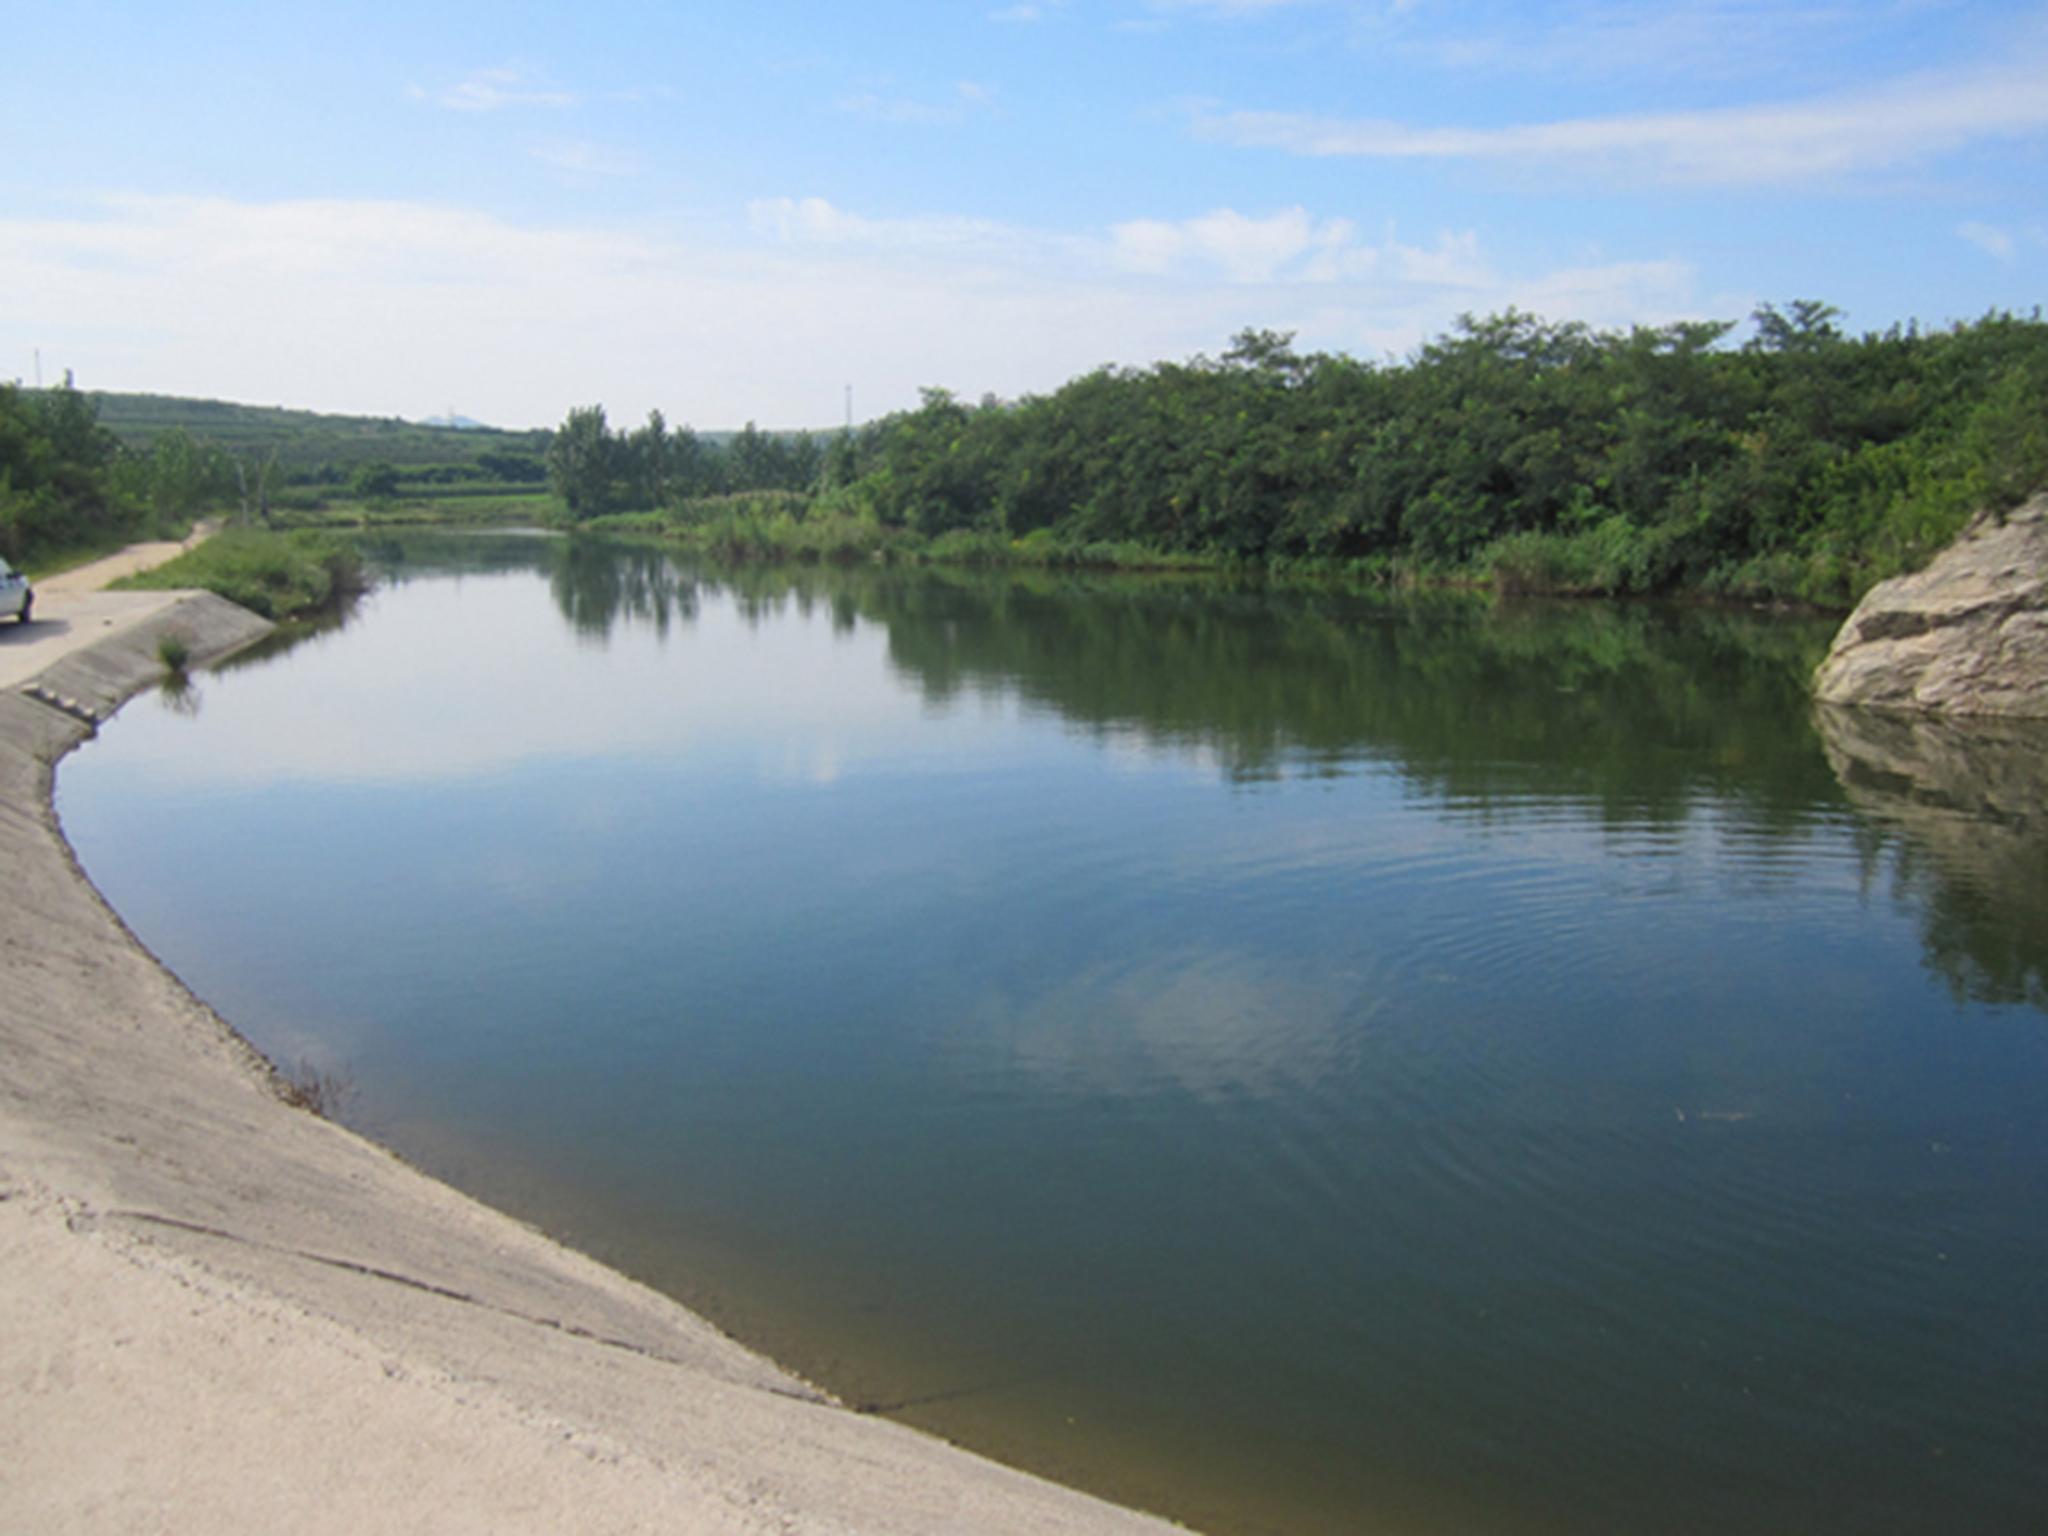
(736, 212)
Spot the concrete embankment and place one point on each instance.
(221, 1313)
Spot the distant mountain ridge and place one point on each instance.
(308, 439)
(311, 439)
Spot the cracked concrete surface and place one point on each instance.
(221, 1313)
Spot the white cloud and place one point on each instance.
(578, 157)
(1990, 239)
(967, 98)
(1224, 7)
(489, 90)
(1609, 295)
(1901, 123)
(814, 221)
(1746, 39)
(1244, 249)
(399, 308)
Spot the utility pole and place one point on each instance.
(849, 407)
(39, 367)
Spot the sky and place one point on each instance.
(762, 211)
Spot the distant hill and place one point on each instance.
(309, 439)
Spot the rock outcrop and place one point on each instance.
(1966, 636)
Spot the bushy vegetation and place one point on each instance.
(599, 473)
(279, 575)
(57, 485)
(1803, 464)
(71, 486)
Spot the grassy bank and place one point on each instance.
(791, 528)
(494, 508)
(788, 526)
(279, 575)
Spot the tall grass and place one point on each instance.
(279, 575)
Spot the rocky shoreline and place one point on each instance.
(1966, 636)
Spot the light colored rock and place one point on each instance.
(1966, 636)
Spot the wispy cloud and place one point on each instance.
(400, 306)
(1990, 239)
(2003, 243)
(1905, 122)
(1027, 13)
(1224, 7)
(968, 97)
(579, 157)
(1244, 249)
(492, 90)
(1750, 39)
(1330, 263)
(1325, 272)
(814, 221)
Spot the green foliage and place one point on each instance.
(584, 463)
(600, 473)
(56, 486)
(311, 442)
(175, 653)
(279, 575)
(376, 481)
(1802, 466)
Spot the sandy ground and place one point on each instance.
(222, 1314)
(136, 557)
(72, 611)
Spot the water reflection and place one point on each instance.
(1641, 709)
(1365, 1062)
(1505, 714)
(1502, 712)
(1968, 802)
(179, 695)
(597, 585)
(1476, 701)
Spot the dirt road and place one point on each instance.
(72, 610)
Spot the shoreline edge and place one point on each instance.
(225, 1313)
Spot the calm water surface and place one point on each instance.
(1299, 1062)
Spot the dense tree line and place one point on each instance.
(597, 471)
(1802, 463)
(68, 484)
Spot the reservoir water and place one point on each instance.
(1301, 1062)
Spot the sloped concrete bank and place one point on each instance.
(221, 1313)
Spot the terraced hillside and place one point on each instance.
(307, 439)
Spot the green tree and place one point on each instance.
(583, 463)
(375, 482)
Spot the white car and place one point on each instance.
(16, 596)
